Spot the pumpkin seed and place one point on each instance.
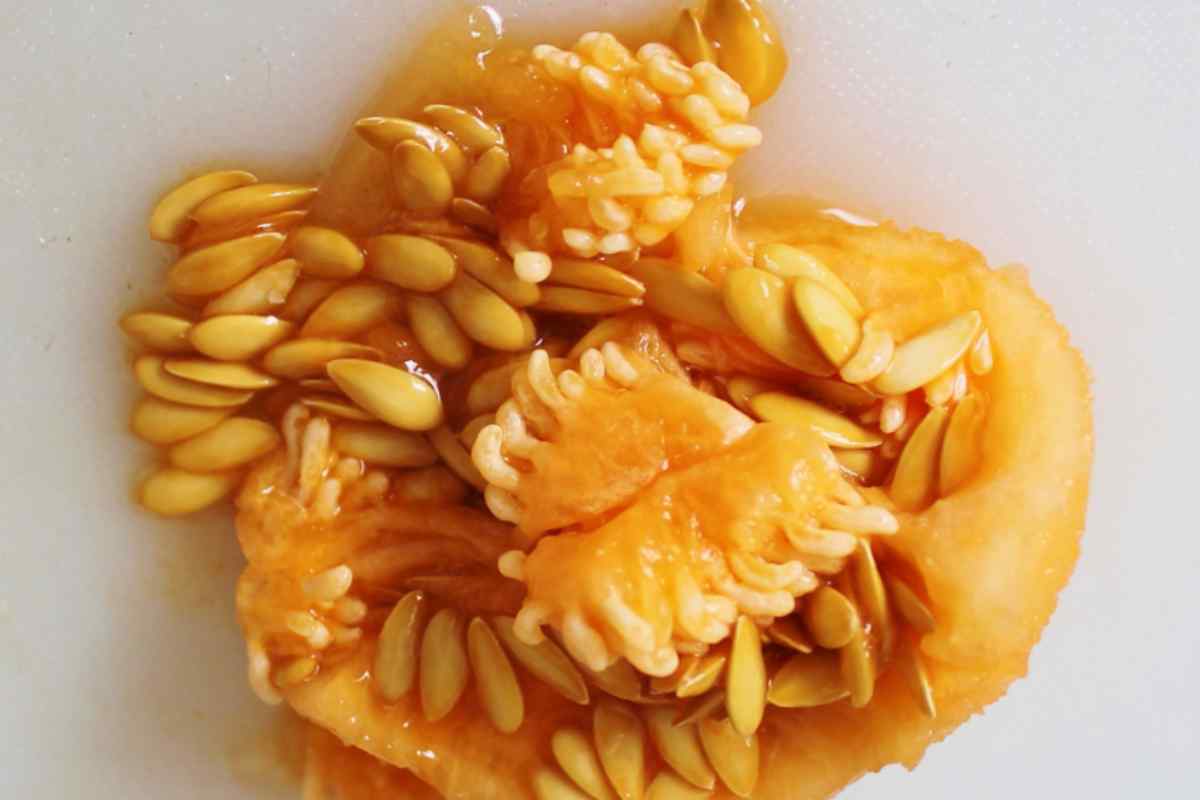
(484, 315)
(858, 669)
(789, 261)
(493, 387)
(746, 683)
(690, 41)
(835, 429)
(383, 445)
(261, 293)
(487, 175)
(443, 664)
(578, 758)
(550, 785)
(467, 129)
(581, 274)
(452, 451)
(831, 326)
(567, 300)
(166, 333)
(873, 356)
(706, 706)
(759, 303)
(423, 185)
(492, 270)
(545, 661)
(393, 395)
(667, 684)
(319, 385)
(326, 253)
(219, 373)
(202, 236)
(860, 464)
(910, 606)
(832, 392)
(668, 786)
(385, 133)
(495, 681)
(914, 484)
(742, 389)
(395, 668)
(912, 669)
(154, 378)
(470, 431)
(171, 216)
(924, 357)
(351, 310)
(306, 358)
(237, 337)
(296, 671)
(683, 296)
(469, 212)
(808, 681)
(438, 333)
(250, 202)
(748, 45)
(230, 444)
(160, 422)
(831, 618)
(961, 448)
(980, 358)
(175, 492)
(410, 262)
(620, 741)
(337, 407)
(700, 676)
(679, 746)
(621, 680)
(217, 267)
(788, 632)
(871, 594)
(734, 756)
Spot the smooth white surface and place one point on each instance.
(1061, 134)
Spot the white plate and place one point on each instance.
(1063, 135)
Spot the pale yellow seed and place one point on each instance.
(750, 49)
(484, 315)
(679, 746)
(352, 310)
(831, 426)
(916, 676)
(788, 632)
(230, 444)
(683, 296)
(831, 618)
(218, 267)
(263, 292)
(858, 669)
(910, 606)
(550, 785)
(860, 464)
(438, 334)
(219, 373)
(175, 492)
(384, 133)
(871, 594)
(701, 676)
(495, 681)
(250, 202)
(915, 482)
(410, 262)
(578, 759)
(487, 175)
(493, 387)
(295, 672)
(703, 707)
(873, 356)
(788, 261)
(165, 333)
(689, 39)
(467, 129)
(493, 270)
(307, 358)
(423, 184)
(761, 306)
(620, 740)
(170, 217)
(669, 786)
(545, 661)
(393, 395)
(962, 448)
(238, 337)
(336, 407)
(326, 253)
(735, 757)
(922, 358)
(395, 668)
(606, 330)
(980, 358)
(383, 445)
(443, 664)
(808, 681)
(470, 431)
(452, 451)
(746, 683)
(151, 374)
(160, 422)
(568, 300)
(469, 212)
(619, 679)
(742, 389)
(832, 327)
(592, 275)
(307, 295)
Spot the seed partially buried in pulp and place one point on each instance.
(495, 681)
(807, 681)
(393, 395)
(395, 668)
(750, 48)
(915, 481)
(760, 304)
(230, 444)
(831, 618)
(443, 664)
(735, 757)
(836, 430)
(679, 746)
(545, 661)
(620, 740)
(577, 757)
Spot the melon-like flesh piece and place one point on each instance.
(992, 557)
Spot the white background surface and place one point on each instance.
(1061, 134)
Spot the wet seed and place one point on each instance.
(706, 706)
(735, 757)
(496, 682)
(831, 326)
(492, 270)
(620, 740)
(679, 746)
(484, 315)
(567, 300)
(249, 202)
(175, 492)
(230, 444)
(219, 373)
(171, 216)
(160, 422)
(326, 253)
(410, 262)
(808, 681)
(858, 669)
(788, 632)
(962, 449)
(690, 41)
(835, 429)
(683, 296)
(761, 306)
(438, 333)
(383, 445)
(154, 378)
(909, 605)
(395, 669)
(443, 664)
(393, 395)
(922, 358)
(487, 175)
(384, 133)
(352, 310)
(669, 786)
(220, 266)
(336, 407)
(574, 753)
(746, 683)
(237, 337)
(467, 129)
(831, 618)
(306, 358)
(701, 676)
(545, 661)
(165, 333)
(914, 484)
